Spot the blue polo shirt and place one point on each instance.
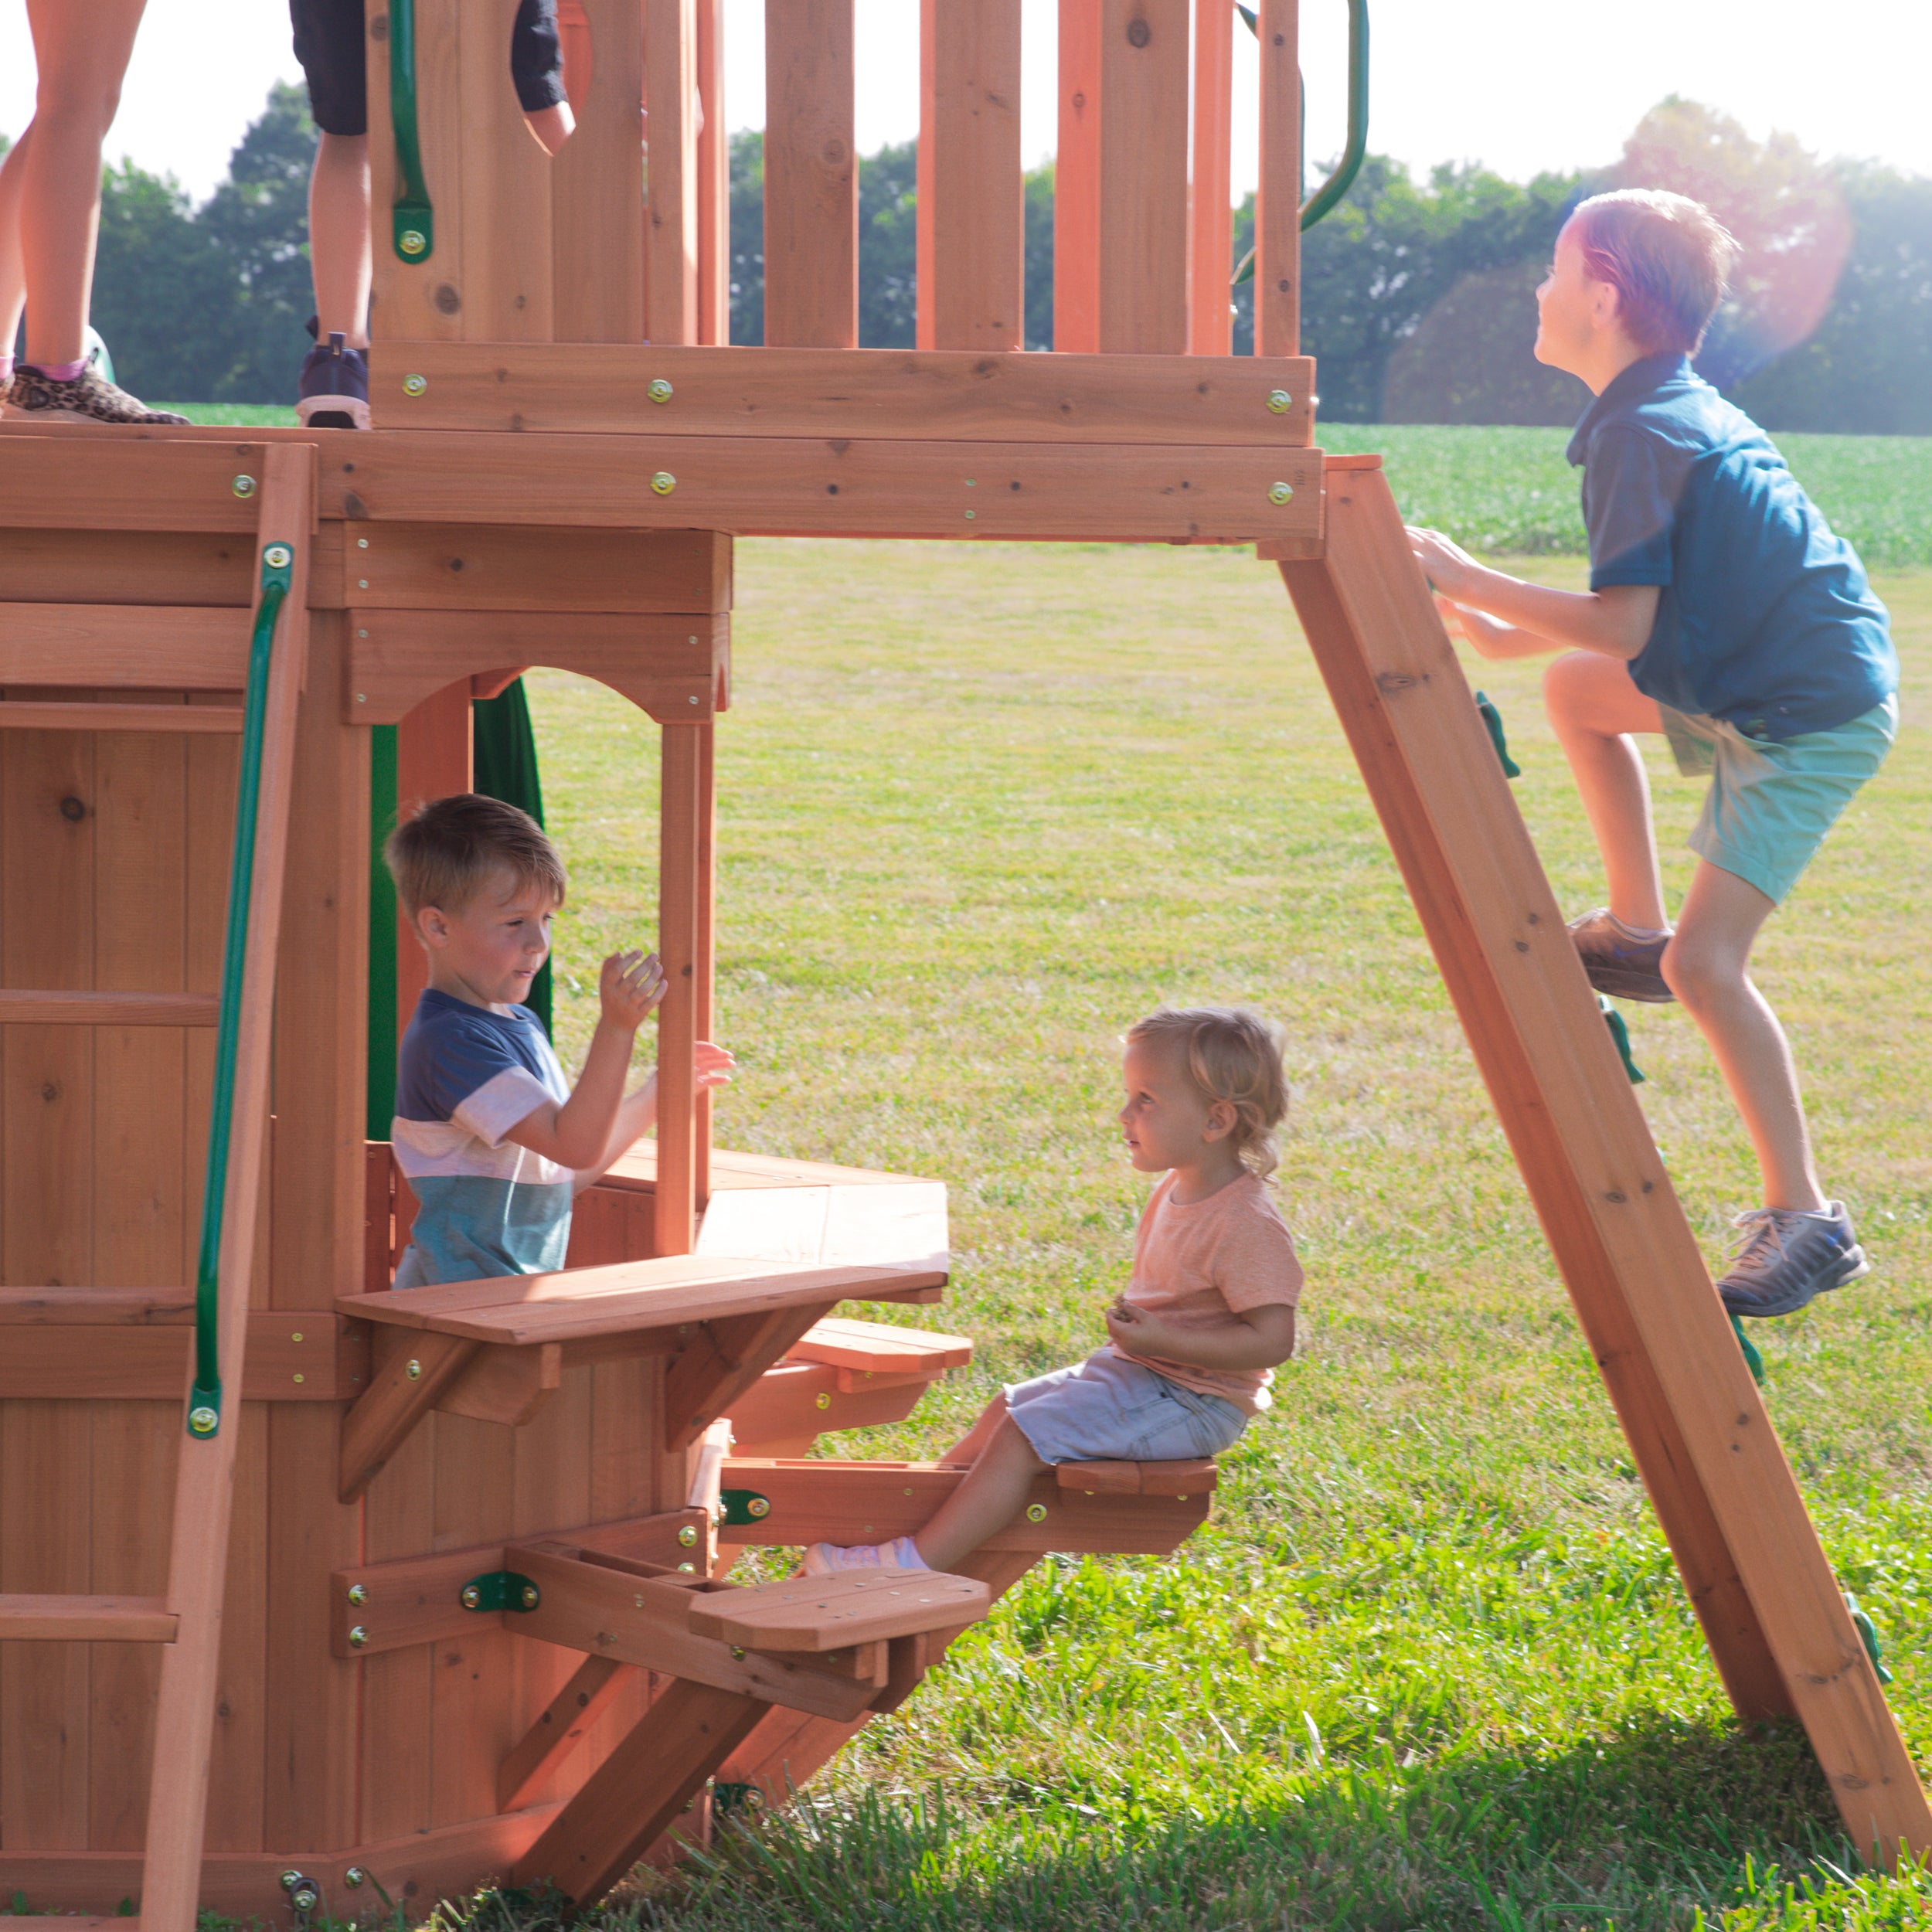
(1765, 618)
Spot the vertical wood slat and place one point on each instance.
(434, 760)
(714, 180)
(504, 178)
(1758, 1580)
(1277, 212)
(670, 225)
(704, 954)
(971, 207)
(1211, 214)
(812, 176)
(596, 181)
(677, 865)
(1144, 191)
(1076, 182)
(419, 301)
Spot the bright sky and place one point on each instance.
(1522, 85)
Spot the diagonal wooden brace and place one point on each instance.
(722, 1361)
(400, 1394)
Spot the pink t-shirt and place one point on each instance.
(1194, 1264)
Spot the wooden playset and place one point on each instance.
(308, 1585)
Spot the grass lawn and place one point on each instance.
(1429, 1667)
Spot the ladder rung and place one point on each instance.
(32, 715)
(25, 1009)
(87, 1620)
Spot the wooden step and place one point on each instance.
(1179, 1480)
(22, 1007)
(827, 1613)
(87, 1620)
(878, 1348)
(32, 715)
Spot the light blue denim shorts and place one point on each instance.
(1771, 800)
(1108, 1408)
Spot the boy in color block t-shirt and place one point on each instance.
(491, 1138)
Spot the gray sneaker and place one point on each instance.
(1785, 1256)
(1617, 963)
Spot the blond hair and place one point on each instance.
(1668, 258)
(1234, 1055)
(449, 850)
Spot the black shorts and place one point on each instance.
(328, 44)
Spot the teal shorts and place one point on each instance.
(1772, 801)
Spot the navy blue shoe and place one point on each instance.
(1618, 962)
(333, 394)
(1785, 1256)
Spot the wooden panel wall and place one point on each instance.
(812, 176)
(972, 217)
(596, 182)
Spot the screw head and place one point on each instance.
(297, 1336)
(1036, 1512)
(664, 482)
(471, 1597)
(970, 515)
(243, 486)
(823, 1399)
(298, 1378)
(203, 1422)
(758, 1508)
(1280, 492)
(1281, 401)
(278, 557)
(687, 1570)
(291, 1879)
(412, 241)
(738, 1653)
(659, 390)
(530, 1596)
(305, 1897)
(414, 1370)
(358, 1637)
(355, 1877)
(414, 385)
(358, 1594)
(687, 1534)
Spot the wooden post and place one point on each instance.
(812, 176)
(1211, 214)
(433, 759)
(678, 872)
(1769, 1606)
(596, 182)
(671, 232)
(704, 955)
(972, 215)
(714, 180)
(1143, 280)
(1278, 200)
(1076, 182)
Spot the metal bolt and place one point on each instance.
(687, 1534)
(737, 1653)
(411, 241)
(1036, 1512)
(692, 638)
(415, 385)
(361, 543)
(1280, 492)
(243, 486)
(362, 583)
(297, 1336)
(358, 1594)
(290, 1880)
(659, 390)
(909, 1492)
(971, 515)
(361, 697)
(823, 1399)
(694, 700)
(759, 1507)
(471, 1597)
(1281, 401)
(298, 1378)
(687, 1570)
(278, 557)
(203, 1422)
(306, 1896)
(358, 1637)
(664, 482)
(355, 1877)
(414, 1370)
(530, 1596)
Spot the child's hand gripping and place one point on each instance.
(628, 987)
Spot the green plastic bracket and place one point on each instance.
(744, 1505)
(1493, 719)
(412, 220)
(727, 1801)
(1868, 1633)
(204, 1400)
(1621, 1034)
(1752, 1360)
(499, 1589)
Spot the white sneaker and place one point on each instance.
(831, 1559)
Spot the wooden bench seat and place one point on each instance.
(842, 1374)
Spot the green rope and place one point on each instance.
(1493, 719)
(204, 1401)
(1868, 1633)
(1752, 1360)
(1621, 1034)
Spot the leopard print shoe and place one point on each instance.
(89, 397)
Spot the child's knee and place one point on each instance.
(1699, 970)
(1567, 682)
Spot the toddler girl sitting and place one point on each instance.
(1207, 1314)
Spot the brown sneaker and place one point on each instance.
(1625, 965)
(88, 397)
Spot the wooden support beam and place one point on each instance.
(506, 1386)
(714, 187)
(1076, 182)
(400, 1394)
(87, 1620)
(812, 176)
(1277, 212)
(71, 482)
(972, 211)
(945, 395)
(18, 714)
(704, 952)
(678, 839)
(1759, 1583)
(294, 1356)
(597, 188)
(560, 1728)
(639, 1791)
(1143, 279)
(131, 647)
(1210, 210)
(671, 230)
(19, 1006)
(723, 1361)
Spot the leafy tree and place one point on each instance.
(888, 247)
(747, 209)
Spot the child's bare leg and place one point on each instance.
(966, 1450)
(338, 237)
(1707, 967)
(990, 1498)
(1593, 708)
(13, 274)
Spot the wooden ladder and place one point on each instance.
(187, 1621)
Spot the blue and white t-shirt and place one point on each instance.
(466, 1075)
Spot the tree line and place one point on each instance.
(1417, 301)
